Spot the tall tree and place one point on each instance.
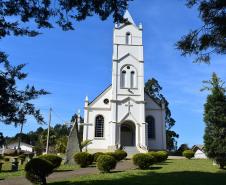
(15, 16)
(153, 89)
(210, 38)
(44, 13)
(16, 104)
(215, 119)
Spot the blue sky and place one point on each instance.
(77, 63)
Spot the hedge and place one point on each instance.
(106, 163)
(54, 159)
(37, 170)
(143, 161)
(83, 159)
(188, 154)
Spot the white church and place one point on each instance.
(123, 115)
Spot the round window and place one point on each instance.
(106, 101)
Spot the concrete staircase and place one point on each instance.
(130, 150)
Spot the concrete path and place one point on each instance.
(58, 176)
(176, 157)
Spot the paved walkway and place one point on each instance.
(176, 157)
(58, 176)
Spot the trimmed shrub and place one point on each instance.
(96, 155)
(113, 154)
(37, 170)
(83, 159)
(162, 156)
(91, 158)
(54, 159)
(120, 155)
(106, 163)
(159, 156)
(143, 161)
(188, 154)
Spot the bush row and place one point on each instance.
(84, 159)
(105, 161)
(144, 161)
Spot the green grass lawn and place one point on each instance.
(172, 172)
(7, 173)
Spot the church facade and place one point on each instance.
(123, 115)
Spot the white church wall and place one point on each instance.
(158, 142)
(99, 143)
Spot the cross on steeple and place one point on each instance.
(129, 105)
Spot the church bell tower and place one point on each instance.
(128, 81)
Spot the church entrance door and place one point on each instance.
(128, 134)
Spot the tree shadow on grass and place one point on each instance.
(155, 168)
(153, 178)
(117, 171)
(164, 163)
(62, 171)
(10, 171)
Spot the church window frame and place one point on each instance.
(99, 126)
(151, 130)
(129, 78)
(132, 79)
(128, 38)
(123, 79)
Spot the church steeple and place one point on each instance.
(129, 18)
(128, 60)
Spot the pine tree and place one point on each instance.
(215, 119)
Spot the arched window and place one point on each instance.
(123, 80)
(128, 38)
(99, 126)
(151, 127)
(132, 79)
(128, 77)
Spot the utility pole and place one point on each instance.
(19, 138)
(47, 142)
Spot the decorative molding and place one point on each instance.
(99, 108)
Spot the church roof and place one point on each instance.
(157, 102)
(100, 94)
(129, 18)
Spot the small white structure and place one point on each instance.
(123, 115)
(199, 152)
(24, 146)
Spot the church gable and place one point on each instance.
(128, 56)
(151, 103)
(103, 99)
